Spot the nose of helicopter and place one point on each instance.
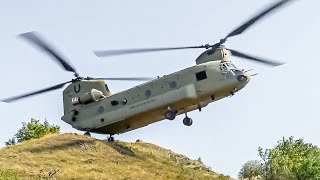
(248, 77)
(242, 77)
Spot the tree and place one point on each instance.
(291, 160)
(33, 130)
(251, 170)
(310, 169)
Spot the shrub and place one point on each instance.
(33, 130)
(291, 160)
(251, 170)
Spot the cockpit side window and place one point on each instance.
(107, 89)
(223, 67)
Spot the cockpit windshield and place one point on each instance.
(231, 65)
(227, 66)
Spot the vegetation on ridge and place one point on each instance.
(290, 159)
(33, 130)
(70, 156)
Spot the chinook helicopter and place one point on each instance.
(89, 105)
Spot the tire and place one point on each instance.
(111, 139)
(187, 121)
(170, 115)
(87, 134)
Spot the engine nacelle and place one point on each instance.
(89, 97)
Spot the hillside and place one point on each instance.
(70, 156)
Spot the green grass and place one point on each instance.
(70, 156)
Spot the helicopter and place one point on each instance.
(90, 106)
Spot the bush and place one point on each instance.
(33, 130)
(291, 160)
(251, 170)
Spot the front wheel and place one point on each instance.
(170, 115)
(111, 139)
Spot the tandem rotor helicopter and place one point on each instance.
(89, 105)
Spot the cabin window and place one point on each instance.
(124, 101)
(147, 93)
(201, 75)
(101, 109)
(114, 102)
(173, 84)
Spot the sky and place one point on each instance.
(279, 102)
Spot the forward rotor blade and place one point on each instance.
(143, 50)
(257, 17)
(35, 39)
(35, 93)
(127, 79)
(256, 59)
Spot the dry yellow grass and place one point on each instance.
(70, 156)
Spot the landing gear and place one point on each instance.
(199, 108)
(87, 133)
(170, 114)
(187, 121)
(111, 139)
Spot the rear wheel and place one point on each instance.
(87, 134)
(187, 121)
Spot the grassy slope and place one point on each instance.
(81, 157)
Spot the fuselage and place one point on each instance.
(183, 91)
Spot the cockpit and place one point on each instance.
(231, 65)
(228, 70)
(227, 66)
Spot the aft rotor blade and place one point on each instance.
(127, 79)
(256, 18)
(35, 39)
(143, 50)
(256, 59)
(35, 93)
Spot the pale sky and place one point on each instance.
(281, 101)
